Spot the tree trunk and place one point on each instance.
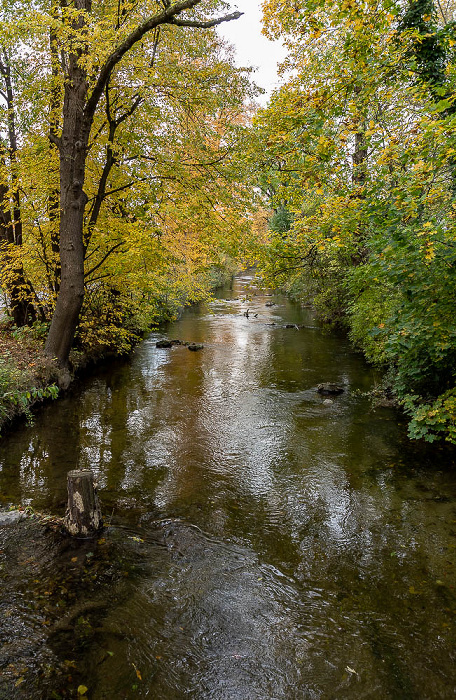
(73, 154)
(19, 289)
(78, 113)
(83, 515)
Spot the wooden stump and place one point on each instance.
(83, 515)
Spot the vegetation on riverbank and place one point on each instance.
(358, 159)
(27, 376)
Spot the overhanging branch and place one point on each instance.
(205, 25)
(166, 16)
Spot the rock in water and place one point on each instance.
(164, 344)
(10, 517)
(195, 346)
(329, 389)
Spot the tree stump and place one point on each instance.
(83, 514)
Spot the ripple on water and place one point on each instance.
(264, 544)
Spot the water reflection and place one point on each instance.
(279, 547)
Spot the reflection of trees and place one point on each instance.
(34, 460)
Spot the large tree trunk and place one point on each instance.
(78, 112)
(73, 201)
(73, 154)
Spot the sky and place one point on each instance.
(252, 48)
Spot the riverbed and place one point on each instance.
(263, 541)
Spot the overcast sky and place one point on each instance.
(252, 48)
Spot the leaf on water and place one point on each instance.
(138, 674)
(74, 559)
(351, 670)
(82, 689)
(110, 653)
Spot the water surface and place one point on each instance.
(261, 543)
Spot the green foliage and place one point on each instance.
(432, 421)
(16, 394)
(37, 330)
(361, 144)
(429, 45)
(281, 220)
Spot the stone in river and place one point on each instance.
(328, 389)
(164, 344)
(195, 346)
(10, 517)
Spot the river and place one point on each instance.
(261, 542)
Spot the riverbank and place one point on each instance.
(28, 377)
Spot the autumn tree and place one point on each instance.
(94, 43)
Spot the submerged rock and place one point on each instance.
(11, 517)
(164, 344)
(195, 346)
(270, 303)
(328, 402)
(328, 389)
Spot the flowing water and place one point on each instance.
(262, 543)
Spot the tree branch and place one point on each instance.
(205, 25)
(99, 264)
(166, 16)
